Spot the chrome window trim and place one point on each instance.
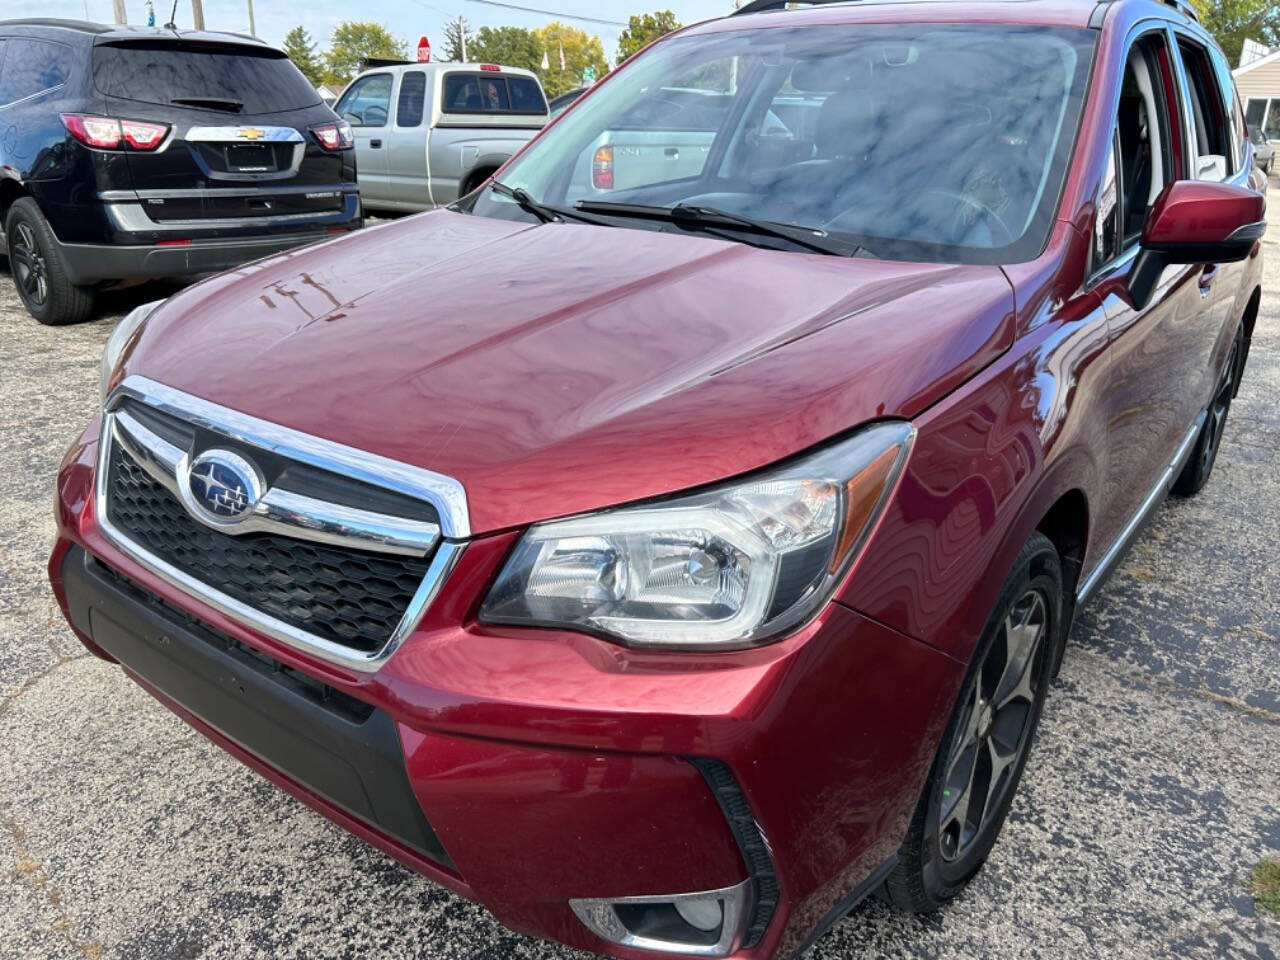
(445, 494)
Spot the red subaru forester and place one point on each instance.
(673, 541)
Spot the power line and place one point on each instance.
(549, 13)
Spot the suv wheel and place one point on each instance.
(38, 270)
(981, 757)
(1205, 453)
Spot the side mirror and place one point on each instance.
(1194, 221)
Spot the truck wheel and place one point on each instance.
(38, 269)
(980, 759)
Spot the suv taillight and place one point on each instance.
(334, 136)
(108, 133)
(602, 168)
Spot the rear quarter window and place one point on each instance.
(265, 82)
(492, 93)
(31, 67)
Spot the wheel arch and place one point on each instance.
(478, 175)
(11, 190)
(1247, 320)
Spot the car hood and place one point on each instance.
(563, 368)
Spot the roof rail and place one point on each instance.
(1184, 7)
(760, 6)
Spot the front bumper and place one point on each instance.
(528, 768)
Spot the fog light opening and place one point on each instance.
(704, 924)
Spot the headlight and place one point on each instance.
(119, 338)
(728, 567)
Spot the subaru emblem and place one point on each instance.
(224, 485)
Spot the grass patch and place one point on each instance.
(1265, 885)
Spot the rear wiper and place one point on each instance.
(213, 103)
(695, 215)
(543, 211)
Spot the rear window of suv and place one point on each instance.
(265, 82)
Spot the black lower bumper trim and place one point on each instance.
(751, 844)
(92, 262)
(334, 745)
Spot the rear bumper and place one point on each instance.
(91, 262)
(524, 769)
(131, 245)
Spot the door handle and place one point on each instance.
(1206, 278)
(672, 152)
(375, 144)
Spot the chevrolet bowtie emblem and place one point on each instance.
(250, 133)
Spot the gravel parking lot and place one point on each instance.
(1153, 790)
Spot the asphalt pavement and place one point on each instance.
(1153, 789)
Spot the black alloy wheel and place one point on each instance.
(981, 755)
(39, 269)
(996, 726)
(29, 270)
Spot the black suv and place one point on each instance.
(139, 153)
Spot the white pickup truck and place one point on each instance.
(429, 133)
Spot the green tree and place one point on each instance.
(581, 49)
(458, 41)
(508, 46)
(353, 41)
(1232, 22)
(642, 29)
(302, 51)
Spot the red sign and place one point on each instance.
(424, 50)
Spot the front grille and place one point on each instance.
(321, 694)
(351, 597)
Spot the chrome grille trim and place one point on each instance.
(287, 513)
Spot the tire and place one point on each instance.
(993, 723)
(1199, 466)
(473, 182)
(39, 273)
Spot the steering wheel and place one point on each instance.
(962, 201)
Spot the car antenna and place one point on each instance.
(173, 15)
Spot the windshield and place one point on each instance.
(944, 143)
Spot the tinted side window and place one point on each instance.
(367, 102)
(1211, 136)
(31, 67)
(413, 94)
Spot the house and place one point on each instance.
(1258, 81)
(329, 93)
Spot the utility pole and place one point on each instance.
(253, 30)
(197, 14)
(118, 8)
(462, 33)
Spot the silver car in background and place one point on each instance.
(429, 133)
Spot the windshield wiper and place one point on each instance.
(213, 103)
(698, 216)
(543, 211)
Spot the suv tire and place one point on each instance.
(992, 724)
(39, 273)
(1199, 466)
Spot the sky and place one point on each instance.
(408, 19)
